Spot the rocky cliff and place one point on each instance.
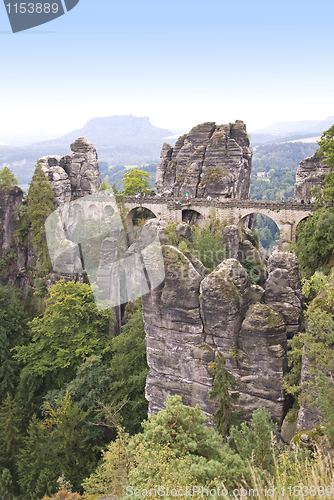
(192, 315)
(310, 174)
(13, 253)
(74, 174)
(211, 160)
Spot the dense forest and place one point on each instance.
(73, 413)
(279, 162)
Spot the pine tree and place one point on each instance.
(41, 203)
(9, 439)
(225, 388)
(253, 441)
(36, 471)
(7, 178)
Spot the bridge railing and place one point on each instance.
(179, 203)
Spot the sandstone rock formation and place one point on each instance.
(58, 178)
(211, 160)
(191, 316)
(310, 174)
(76, 173)
(13, 255)
(283, 290)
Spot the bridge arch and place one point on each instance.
(139, 212)
(266, 227)
(303, 219)
(193, 217)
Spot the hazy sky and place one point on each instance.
(178, 62)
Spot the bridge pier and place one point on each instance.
(285, 235)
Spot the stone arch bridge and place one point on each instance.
(286, 215)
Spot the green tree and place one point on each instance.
(136, 181)
(176, 440)
(317, 344)
(70, 330)
(13, 331)
(253, 441)
(225, 390)
(326, 152)
(128, 371)
(315, 241)
(40, 205)
(7, 178)
(37, 476)
(9, 442)
(207, 245)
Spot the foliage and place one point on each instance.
(120, 379)
(13, 331)
(68, 439)
(37, 476)
(252, 269)
(104, 185)
(41, 205)
(112, 474)
(253, 441)
(128, 371)
(7, 178)
(294, 475)
(208, 245)
(267, 231)
(175, 440)
(136, 181)
(22, 222)
(9, 441)
(280, 163)
(70, 330)
(317, 344)
(326, 147)
(315, 241)
(224, 388)
(326, 153)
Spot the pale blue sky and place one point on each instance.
(178, 62)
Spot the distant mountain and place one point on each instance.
(119, 140)
(288, 127)
(288, 131)
(113, 131)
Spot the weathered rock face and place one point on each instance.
(75, 173)
(58, 178)
(262, 361)
(192, 316)
(310, 174)
(13, 254)
(174, 336)
(309, 415)
(82, 168)
(225, 298)
(283, 290)
(212, 160)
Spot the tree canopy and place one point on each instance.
(40, 205)
(7, 178)
(136, 181)
(70, 330)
